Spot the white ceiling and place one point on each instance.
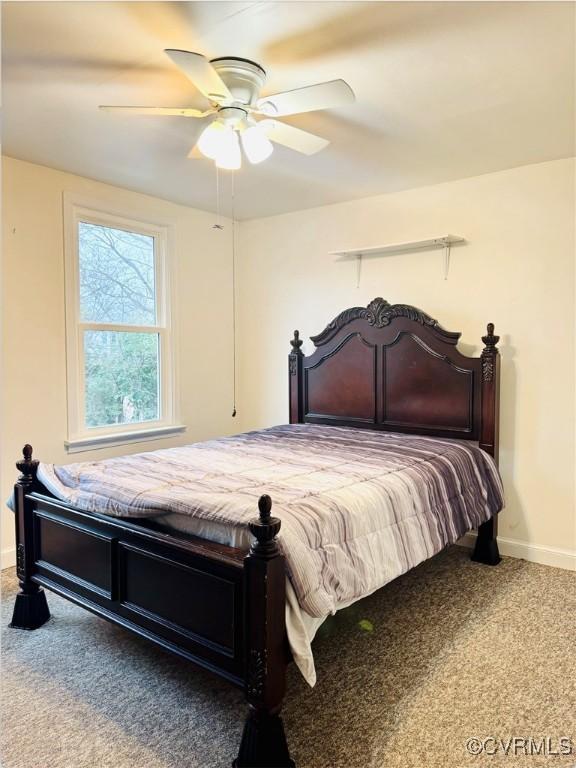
(444, 91)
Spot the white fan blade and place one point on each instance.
(293, 138)
(195, 153)
(179, 111)
(335, 93)
(198, 69)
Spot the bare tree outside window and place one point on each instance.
(117, 287)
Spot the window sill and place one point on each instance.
(125, 438)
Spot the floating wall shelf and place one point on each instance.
(375, 251)
(383, 250)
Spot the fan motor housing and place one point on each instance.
(243, 78)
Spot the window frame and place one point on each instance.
(81, 437)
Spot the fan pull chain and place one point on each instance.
(233, 298)
(218, 224)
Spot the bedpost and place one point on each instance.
(486, 548)
(263, 742)
(295, 380)
(31, 607)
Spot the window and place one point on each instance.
(120, 357)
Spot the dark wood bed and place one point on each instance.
(385, 367)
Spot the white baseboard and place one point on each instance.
(558, 558)
(8, 558)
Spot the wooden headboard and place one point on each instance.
(392, 367)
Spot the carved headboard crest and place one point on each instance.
(379, 313)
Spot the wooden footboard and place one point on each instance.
(186, 596)
(219, 607)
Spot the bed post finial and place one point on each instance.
(265, 530)
(27, 466)
(264, 507)
(296, 343)
(490, 340)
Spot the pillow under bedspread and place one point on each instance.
(358, 507)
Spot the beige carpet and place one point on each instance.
(449, 651)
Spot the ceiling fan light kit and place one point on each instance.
(233, 85)
(219, 140)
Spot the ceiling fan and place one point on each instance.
(232, 86)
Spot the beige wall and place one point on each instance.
(517, 270)
(33, 354)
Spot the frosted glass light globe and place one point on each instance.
(256, 144)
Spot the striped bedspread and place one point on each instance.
(358, 507)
